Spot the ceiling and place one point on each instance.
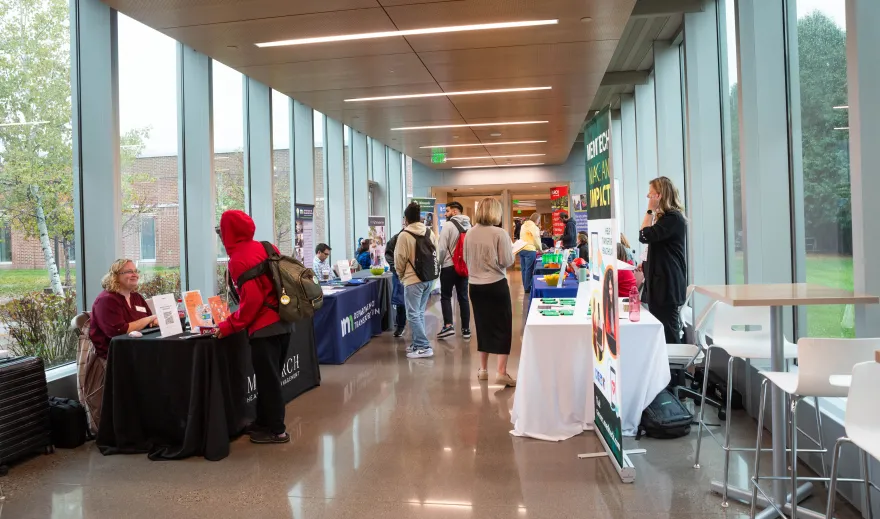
(571, 57)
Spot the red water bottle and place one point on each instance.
(635, 306)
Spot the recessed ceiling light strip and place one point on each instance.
(407, 32)
(446, 94)
(477, 125)
(478, 144)
(497, 156)
(499, 166)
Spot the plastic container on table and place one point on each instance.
(635, 306)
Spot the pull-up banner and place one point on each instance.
(559, 204)
(604, 238)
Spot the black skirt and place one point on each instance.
(493, 317)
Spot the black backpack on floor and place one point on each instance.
(69, 423)
(427, 264)
(665, 418)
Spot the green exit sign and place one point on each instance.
(438, 156)
(519, 211)
(516, 201)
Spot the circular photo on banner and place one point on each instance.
(598, 345)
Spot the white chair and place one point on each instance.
(818, 361)
(742, 333)
(683, 356)
(862, 425)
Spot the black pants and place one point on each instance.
(267, 354)
(450, 279)
(669, 316)
(400, 320)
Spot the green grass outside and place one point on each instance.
(17, 282)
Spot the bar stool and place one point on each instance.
(819, 359)
(862, 425)
(742, 333)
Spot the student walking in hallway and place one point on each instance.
(488, 254)
(457, 225)
(415, 260)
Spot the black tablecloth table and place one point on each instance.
(174, 398)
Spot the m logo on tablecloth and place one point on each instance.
(359, 318)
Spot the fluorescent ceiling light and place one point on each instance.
(477, 125)
(842, 128)
(408, 32)
(499, 166)
(478, 144)
(3, 125)
(498, 157)
(441, 94)
(842, 107)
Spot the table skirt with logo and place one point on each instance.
(174, 398)
(348, 320)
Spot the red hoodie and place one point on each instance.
(237, 232)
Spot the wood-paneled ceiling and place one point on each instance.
(571, 57)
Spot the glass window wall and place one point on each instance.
(730, 130)
(228, 142)
(281, 164)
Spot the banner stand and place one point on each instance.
(628, 471)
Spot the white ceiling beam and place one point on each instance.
(654, 8)
(629, 77)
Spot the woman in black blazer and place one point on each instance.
(664, 230)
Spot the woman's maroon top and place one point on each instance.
(110, 317)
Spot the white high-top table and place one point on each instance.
(778, 297)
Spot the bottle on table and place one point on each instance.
(635, 307)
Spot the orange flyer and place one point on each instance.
(219, 309)
(193, 300)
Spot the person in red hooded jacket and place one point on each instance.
(269, 336)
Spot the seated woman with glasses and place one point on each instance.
(118, 310)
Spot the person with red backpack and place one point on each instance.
(453, 270)
(268, 335)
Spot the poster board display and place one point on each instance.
(193, 302)
(304, 237)
(441, 217)
(581, 210)
(559, 203)
(378, 235)
(604, 237)
(219, 309)
(427, 212)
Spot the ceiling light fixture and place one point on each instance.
(842, 128)
(475, 125)
(842, 107)
(441, 94)
(407, 32)
(500, 166)
(497, 156)
(478, 144)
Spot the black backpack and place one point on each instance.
(70, 427)
(665, 418)
(427, 265)
(297, 288)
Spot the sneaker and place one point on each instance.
(466, 333)
(410, 348)
(447, 331)
(264, 437)
(505, 379)
(398, 332)
(420, 353)
(482, 374)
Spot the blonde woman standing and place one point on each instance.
(488, 254)
(664, 230)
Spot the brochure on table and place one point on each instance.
(604, 237)
(344, 269)
(193, 302)
(166, 312)
(219, 309)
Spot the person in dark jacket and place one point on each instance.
(569, 237)
(397, 300)
(583, 246)
(364, 258)
(269, 337)
(664, 230)
(517, 228)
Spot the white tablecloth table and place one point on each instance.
(554, 389)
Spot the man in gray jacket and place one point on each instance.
(456, 224)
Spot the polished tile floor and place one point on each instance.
(386, 437)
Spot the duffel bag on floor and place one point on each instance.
(69, 423)
(665, 418)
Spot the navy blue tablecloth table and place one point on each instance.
(349, 318)
(541, 290)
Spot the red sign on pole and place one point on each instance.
(559, 203)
